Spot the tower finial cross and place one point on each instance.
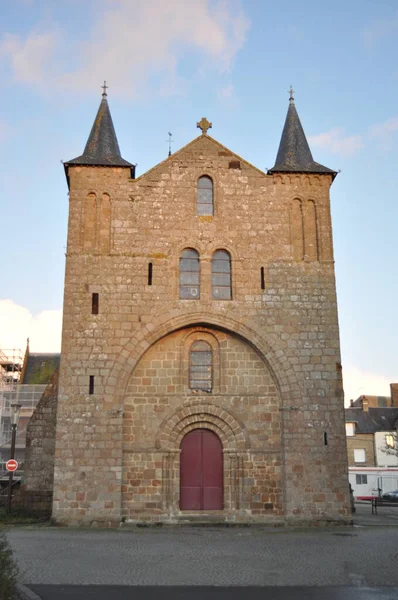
(204, 125)
(291, 92)
(104, 88)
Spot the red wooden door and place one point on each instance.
(201, 471)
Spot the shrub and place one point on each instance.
(8, 570)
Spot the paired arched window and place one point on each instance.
(201, 367)
(221, 275)
(189, 274)
(205, 202)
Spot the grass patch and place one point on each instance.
(8, 570)
(22, 516)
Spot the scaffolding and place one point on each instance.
(11, 363)
(11, 366)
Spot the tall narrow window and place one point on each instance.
(189, 274)
(262, 278)
(95, 304)
(91, 385)
(201, 367)
(205, 204)
(221, 275)
(311, 231)
(104, 228)
(150, 266)
(297, 230)
(90, 222)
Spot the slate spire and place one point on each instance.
(294, 154)
(102, 148)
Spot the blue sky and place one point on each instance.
(168, 64)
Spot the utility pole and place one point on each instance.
(15, 410)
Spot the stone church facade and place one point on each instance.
(200, 374)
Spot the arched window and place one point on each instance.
(201, 367)
(189, 274)
(205, 196)
(221, 275)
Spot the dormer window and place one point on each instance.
(350, 429)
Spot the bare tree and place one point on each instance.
(391, 444)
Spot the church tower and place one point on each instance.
(200, 369)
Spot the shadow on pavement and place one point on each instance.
(106, 592)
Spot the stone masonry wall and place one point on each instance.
(37, 489)
(280, 223)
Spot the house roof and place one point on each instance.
(40, 368)
(294, 154)
(102, 148)
(373, 401)
(372, 420)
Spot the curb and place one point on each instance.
(24, 593)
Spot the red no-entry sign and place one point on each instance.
(11, 465)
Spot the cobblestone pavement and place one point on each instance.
(208, 556)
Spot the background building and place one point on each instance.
(23, 379)
(372, 443)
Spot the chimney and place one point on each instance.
(365, 404)
(394, 394)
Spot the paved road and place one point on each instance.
(207, 556)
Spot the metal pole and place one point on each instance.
(11, 476)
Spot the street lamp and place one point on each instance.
(15, 410)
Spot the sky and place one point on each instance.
(167, 64)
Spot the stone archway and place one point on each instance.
(278, 362)
(160, 408)
(235, 443)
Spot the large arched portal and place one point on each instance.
(201, 430)
(201, 471)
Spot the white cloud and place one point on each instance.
(132, 44)
(17, 323)
(227, 91)
(30, 58)
(337, 142)
(358, 382)
(384, 132)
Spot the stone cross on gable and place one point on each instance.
(204, 125)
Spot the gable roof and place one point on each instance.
(372, 420)
(102, 148)
(40, 368)
(294, 154)
(191, 144)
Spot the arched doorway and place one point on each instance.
(201, 471)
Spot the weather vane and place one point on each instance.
(170, 141)
(291, 92)
(104, 88)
